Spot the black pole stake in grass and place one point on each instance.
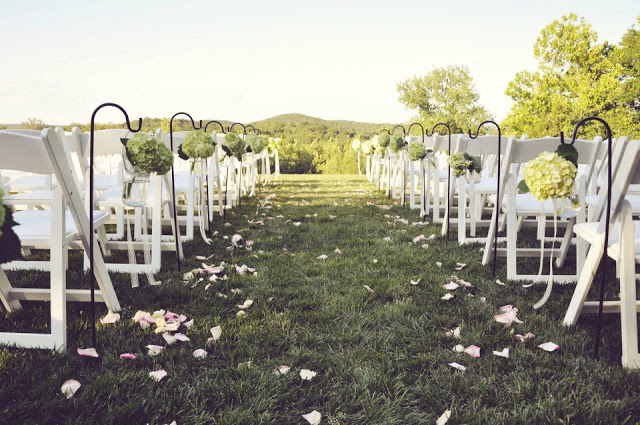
(448, 209)
(404, 174)
(176, 233)
(217, 165)
(91, 234)
(603, 271)
(498, 199)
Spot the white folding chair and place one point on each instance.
(47, 155)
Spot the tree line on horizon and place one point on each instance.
(576, 77)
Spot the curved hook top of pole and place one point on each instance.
(213, 122)
(475, 136)
(367, 136)
(252, 128)
(399, 126)
(586, 120)
(268, 133)
(193, 124)
(375, 133)
(126, 116)
(384, 129)
(421, 127)
(244, 129)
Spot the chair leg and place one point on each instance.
(58, 274)
(584, 284)
(5, 288)
(628, 296)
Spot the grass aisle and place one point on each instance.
(381, 356)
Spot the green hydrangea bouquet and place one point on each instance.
(461, 162)
(383, 140)
(397, 142)
(148, 155)
(550, 176)
(255, 143)
(274, 144)
(236, 145)
(417, 151)
(197, 144)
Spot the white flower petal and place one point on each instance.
(200, 353)
(111, 317)
(158, 375)
(69, 388)
(88, 352)
(313, 418)
(444, 418)
(307, 374)
(504, 353)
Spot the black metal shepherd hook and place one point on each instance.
(366, 136)
(244, 128)
(448, 203)
(224, 212)
(424, 177)
(603, 275)
(498, 201)
(404, 171)
(176, 233)
(91, 200)
(252, 128)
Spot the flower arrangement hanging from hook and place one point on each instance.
(142, 155)
(551, 175)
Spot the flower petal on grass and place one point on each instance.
(414, 282)
(549, 346)
(154, 350)
(170, 339)
(525, 337)
(158, 375)
(216, 332)
(460, 266)
(447, 297)
(457, 366)
(128, 356)
(88, 352)
(111, 317)
(337, 251)
(282, 369)
(451, 286)
(459, 348)
(313, 418)
(504, 353)
(307, 375)
(245, 305)
(444, 418)
(508, 316)
(322, 257)
(297, 224)
(453, 333)
(499, 282)
(439, 263)
(188, 324)
(473, 351)
(200, 353)
(181, 337)
(69, 388)
(369, 290)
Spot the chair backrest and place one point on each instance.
(23, 152)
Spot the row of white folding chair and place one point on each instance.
(623, 247)
(48, 154)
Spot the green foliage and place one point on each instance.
(444, 95)
(255, 142)
(417, 151)
(33, 124)
(384, 139)
(461, 162)
(397, 142)
(577, 78)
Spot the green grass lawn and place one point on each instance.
(380, 358)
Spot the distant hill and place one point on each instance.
(303, 128)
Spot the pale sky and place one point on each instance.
(249, 60)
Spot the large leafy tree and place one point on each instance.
(576, 78)
(444, 95)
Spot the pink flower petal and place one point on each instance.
(128, 356)
(88, 352)
(451, 286)
(154, 350)
(110, 318)
(181, 337)
(473, 351)
(525, 337)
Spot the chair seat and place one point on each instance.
(36, 225)
(526, 204)
(634, 201)
(36, 197)
(589, 232)
(485, 185)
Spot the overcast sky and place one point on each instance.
(246, 61)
